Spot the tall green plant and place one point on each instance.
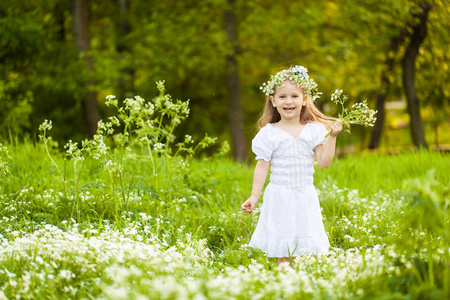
(139, 127)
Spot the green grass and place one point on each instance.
(126, 216)
(180, 234)
(369, 173)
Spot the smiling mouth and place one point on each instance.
(289, 108)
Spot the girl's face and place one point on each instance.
(288, 100)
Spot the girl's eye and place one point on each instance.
(282, 96)
(295, 96)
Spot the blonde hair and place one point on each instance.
(309, 113)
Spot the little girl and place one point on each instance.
(292, 132)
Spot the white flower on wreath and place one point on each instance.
(298, 75)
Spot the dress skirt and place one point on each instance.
(290, 223)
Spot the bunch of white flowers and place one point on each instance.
(359, 114)
(298, 75)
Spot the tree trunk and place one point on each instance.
(234, 107)
(396, 41)
(378, 127)
(436, 135)
(59, 19)
(80, 21)
(419, 32)
(126, 78)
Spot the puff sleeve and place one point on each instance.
(319, 135)
(262, 146)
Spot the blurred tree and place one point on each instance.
(37, 60)
(15, 105)
(234, 91)
(433, 83)
(418, 32)
(123, 47)
(80, 22)
(19, 41)
(375, 35)
(386, 75)
(185, 44)
(350, 45)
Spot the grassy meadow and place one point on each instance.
(130, 214)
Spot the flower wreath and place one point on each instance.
(297, 75)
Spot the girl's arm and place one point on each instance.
(325, 154)
(259, 178)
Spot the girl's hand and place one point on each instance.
(336, 128)
(249, 205)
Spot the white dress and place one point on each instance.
(290, 222)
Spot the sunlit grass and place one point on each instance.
(134, 223)
(368, 202)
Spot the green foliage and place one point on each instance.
(146, 135)
(432, 200)
(15, 105)
(343, 44)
